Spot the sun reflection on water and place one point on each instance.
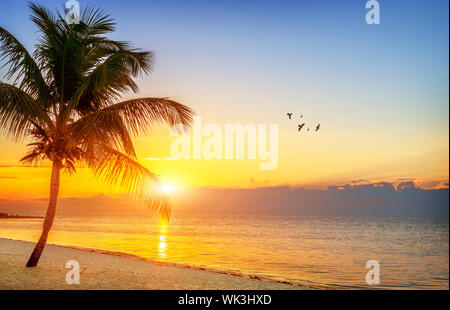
(162, 246)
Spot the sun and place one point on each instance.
(167, 188)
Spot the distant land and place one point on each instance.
(15, 216)
(376, 199)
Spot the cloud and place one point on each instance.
(405, 185)
(380, 199)
(374, 199)
(398, 184)
(436, 184)
(255, 183)
(360, 181)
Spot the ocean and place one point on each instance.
(413, 253)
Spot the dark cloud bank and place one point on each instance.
(381, 199)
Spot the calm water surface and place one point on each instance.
(412, 252)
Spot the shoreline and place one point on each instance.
(6, 216)
(22, 218)
(114, 263)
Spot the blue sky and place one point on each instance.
(380, 91)
(287, 46)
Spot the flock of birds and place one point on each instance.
(300, 126)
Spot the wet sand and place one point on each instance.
(110, 270)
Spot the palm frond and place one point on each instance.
(44, 18)
(33, 156)
(17, 110)
(110, 78)
(59, 51)
(64, 99)
(22, 65)
(97, 21)
(39, 148)
(104, 128)
(139, 114)
(114, 167)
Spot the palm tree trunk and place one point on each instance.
(49, 217)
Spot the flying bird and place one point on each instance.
(318, 126)
(300, 126)
(289, 115)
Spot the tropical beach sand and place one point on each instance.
(107, 270)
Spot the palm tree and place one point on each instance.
(64, 98)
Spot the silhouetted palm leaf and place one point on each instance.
(65, 100)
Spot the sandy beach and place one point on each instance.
(107, 270)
